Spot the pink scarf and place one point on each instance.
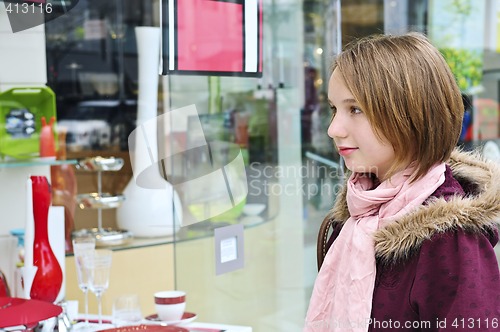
(343, 290)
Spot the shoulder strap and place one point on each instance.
(321, 248)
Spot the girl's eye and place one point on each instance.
(356, 110)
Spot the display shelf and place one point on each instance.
(13, 163)
(188, 233)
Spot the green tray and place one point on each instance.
(21, 111)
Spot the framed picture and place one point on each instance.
(212, 37)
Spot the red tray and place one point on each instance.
(16, 311)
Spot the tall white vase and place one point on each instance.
(148, 212)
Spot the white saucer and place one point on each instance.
(187, 317)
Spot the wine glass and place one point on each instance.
(82, 247)
(98, 267)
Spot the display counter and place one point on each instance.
(144, 266)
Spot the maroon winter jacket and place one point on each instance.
(436, 267)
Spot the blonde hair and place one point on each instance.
(409, 95)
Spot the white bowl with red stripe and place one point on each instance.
(170, 305)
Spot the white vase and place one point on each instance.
(148, 211)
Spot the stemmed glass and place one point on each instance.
(82, 247)
(98, 267)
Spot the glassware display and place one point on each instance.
(82, 247)
(98, 265)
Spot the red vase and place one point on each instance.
(48, 278)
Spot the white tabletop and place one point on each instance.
(192, 327)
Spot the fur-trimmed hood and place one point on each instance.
(477, 212)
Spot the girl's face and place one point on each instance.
(353, 135)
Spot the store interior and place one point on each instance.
(261, 130)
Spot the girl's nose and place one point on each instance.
(337, 127)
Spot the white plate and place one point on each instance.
(187, 317)
(252, 220)
(253, 209)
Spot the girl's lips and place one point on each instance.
(346, 151)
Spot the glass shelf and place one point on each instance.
(198, 231)
(12, 163)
